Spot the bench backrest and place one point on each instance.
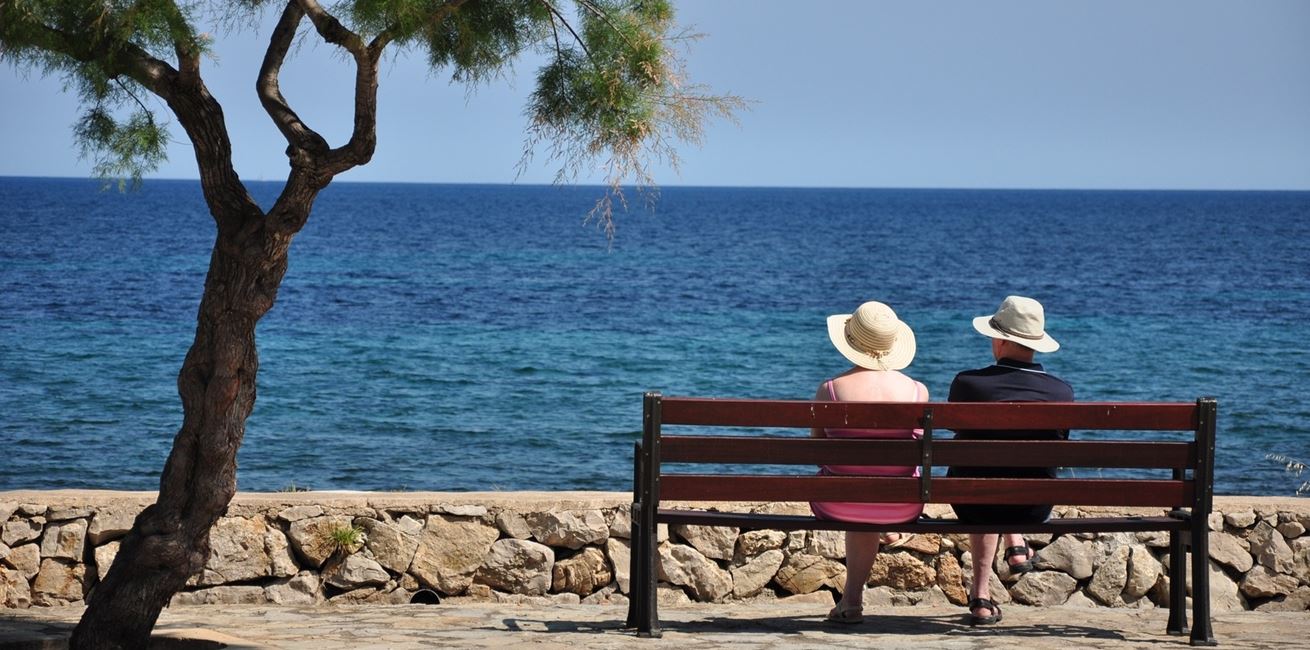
(1190, 461)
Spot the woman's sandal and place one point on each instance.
(901, 540)
(981, 603)
(1022, 567)
(846, 616)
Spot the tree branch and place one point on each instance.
(297, 133)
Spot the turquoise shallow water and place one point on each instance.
(481, 337)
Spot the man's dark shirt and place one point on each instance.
(1007, 381)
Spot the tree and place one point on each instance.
(612, 91)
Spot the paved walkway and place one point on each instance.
(474, 625)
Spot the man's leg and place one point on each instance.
(1012, 540)
(983, 549)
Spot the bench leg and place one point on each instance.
(648, 618)
(634, 569)
(1177, 584)
(1201, 632)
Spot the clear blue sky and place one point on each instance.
(1079, 94)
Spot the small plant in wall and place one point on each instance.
(345, 539)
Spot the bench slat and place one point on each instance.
(1136, 416)
(976, 453)
(939, 526)
(857, 489)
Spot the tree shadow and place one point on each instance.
(19, 632)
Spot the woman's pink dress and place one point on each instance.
(873, 513)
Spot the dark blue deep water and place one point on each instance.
(481, 337)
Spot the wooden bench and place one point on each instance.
(1184, 493)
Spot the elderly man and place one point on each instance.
(1017, 330)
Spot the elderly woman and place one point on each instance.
(879, 345)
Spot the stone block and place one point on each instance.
(1068, 555)
(104, 558)
(620, 556)
(1230, 552)
(581, 574)
(392, 547)
(450, 551)
(64, 540)
(311, 538)
(685, 566)
(58, 581)
(1107, 584)
(750, 578)
(517, 566)
(15, 592)
(21, 531)
(25, 559)
(950, 578)
(802, 573)
(110, 523)
(754, 542)
(355, 572)
(569, 529)
(717, 542)
(902, 571)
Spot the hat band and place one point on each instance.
(997, 325)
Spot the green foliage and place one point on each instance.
(613, 93)
(345, 538)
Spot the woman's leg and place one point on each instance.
(861, 551)
(983, 549)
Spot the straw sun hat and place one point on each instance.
(873, 337)
(1021, 320)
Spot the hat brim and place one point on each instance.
(1044, 344)
(900, 356)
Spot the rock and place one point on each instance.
(25, 559)
(1263, 582)
(795, 542)
(465, 510)
(581, 574)
(1079, 599)
(1107, 584)
(750, 578)
(606, 596)
(755, 542)
(297, 513)
(224, 595)
(110, 523)
(620, 522)
(20, 531)
(354, 572)
(7, 510)
(716, 542)
(1154, 538)
(14, 590)
(1291, 529)
(1215, 521)
(568, 529)
(901, 571)
(517, 566)
(823, 599)
(57, 580)
(245, 549)
(1144, 571)
(802, 573)
(312, 538)
(950, 578)
(1298, 601)
(390, 546)
(1224, 594)
(620, 556)
(1243, 519)
(1301, 558)
(64, 540)
(450, 551)
(32, 510)
(1043, 589)
(513, 524)
(1066, 554)
(826, 543)
(67, 513)
(666, 596)
(685, 566)
(1230, 552)
(104, 558)
(1270, 548)
(926, 544)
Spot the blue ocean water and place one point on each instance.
(465, 337)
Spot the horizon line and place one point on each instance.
(658, 187)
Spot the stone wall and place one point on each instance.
(570, 547)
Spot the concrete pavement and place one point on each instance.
(745, 626)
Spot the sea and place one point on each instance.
(488, 337)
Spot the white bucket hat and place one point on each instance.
(1021, 320)
(872, 337)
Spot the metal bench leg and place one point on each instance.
(1201, 632)
(634, 569)
(1177, 584)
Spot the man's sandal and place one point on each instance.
(984, 603)
(846, 616)
(1022, 567)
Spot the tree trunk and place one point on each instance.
(170, 539)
